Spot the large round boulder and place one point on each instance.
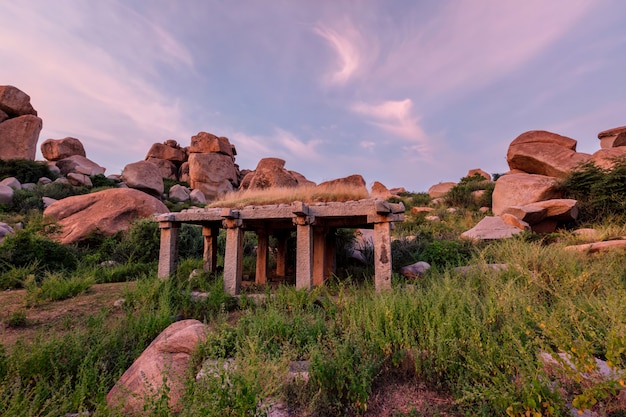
(165, 361)
(544, 153)
(79, 165)
(56, 149)
(214, 174)
(144, 176)
(522, 189)
(269, 173)
(19, 136)
(105, 212)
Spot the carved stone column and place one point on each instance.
(168, 250)
(261, 256)
(209, 255)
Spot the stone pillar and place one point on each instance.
(304, 253)
(233, 256)
(281, 253)
(261, 256)
(168, 250)
(209, 255)
(319, 255)
(331, 253)
(382, 256)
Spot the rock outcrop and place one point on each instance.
(57, 149)
(441, 189)
(144, 176)
(544, 153)
(613, 138)
(212, 167)
(78, 164)
(165, 361)
(491, 228)
(353, 182)
(105, 212)
(19, 125)
(522, 189)
(271, 173)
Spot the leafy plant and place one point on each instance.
(26, 171)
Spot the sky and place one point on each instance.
(406, 92)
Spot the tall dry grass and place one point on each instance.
(286, 195)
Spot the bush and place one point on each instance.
(447, 253)
(27, 200)
(461, 194)
(30, 246)
(26, 171)
(601, 193)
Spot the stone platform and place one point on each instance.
(315, 225)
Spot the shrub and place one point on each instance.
(27, 200)
(446, 253)
(600, 192)
(26, 171)
(55, 287)
(30, 246)
(461, 194)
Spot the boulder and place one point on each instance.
(522, 189)
(79, 180)
(480, 172)
(352, 182)
(179, 193)
(545, 226)
(557, 209)
(80, 165)
(57, 149)
(19, 136)
(301, 179)
(47, 201)
(491, 228)
(380, 191)
(269, 173)
(205, 142)
(144, 176)
(421, 210)
(5, 230)
(606, 158)
(514, 221)
(544, 153)
(197, 197)
(613, 138)
(105, 212)
(165, 361)
(3, 116)
(598, 246)
(183, 173)
(167, 169)
(14, 102)
(6, 194)
(415, 270)
(12, 182)
(170, 151)
(441, 189)
(212, 173)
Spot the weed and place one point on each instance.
(18, 319)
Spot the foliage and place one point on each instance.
(461, 194)
(26, 200)
(55, 287)
(30, 247)
(101, 182)
(600, 192)
(26, 171)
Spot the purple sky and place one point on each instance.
(409, 93)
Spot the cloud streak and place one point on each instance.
(396, 118)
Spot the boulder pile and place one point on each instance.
(19, 124)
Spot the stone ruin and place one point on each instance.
(314, 224)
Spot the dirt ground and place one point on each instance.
(58, 316)
(389, 399)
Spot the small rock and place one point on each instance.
(415, 270)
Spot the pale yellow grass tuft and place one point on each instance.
(280, 195)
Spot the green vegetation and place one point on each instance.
(476, 336)
(24, 170)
